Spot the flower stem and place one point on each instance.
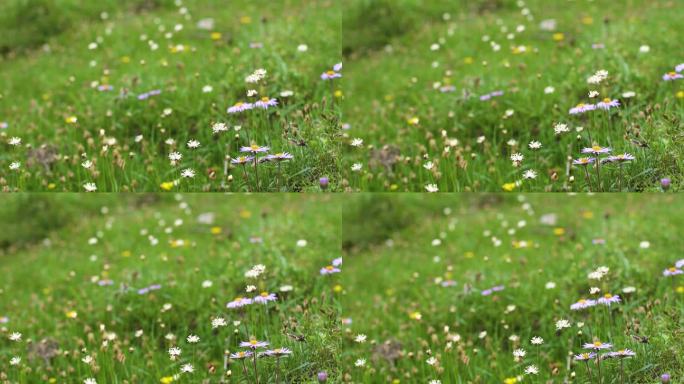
(256, 172)
(256, 373)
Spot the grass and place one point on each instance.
(72, 79)
(73, 292)
(541, 249)
(413, 88)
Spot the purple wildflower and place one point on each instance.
(242, 160)
(239, 302)
(596, 345)
(584, 356)
(254, 149)
(665, 183)
(240, 107)
(240, 355)
(329, 270)
(609, 299)
(583, 161)
(265, 297)
(581, 108)
(280, 156)
(323, 182)
(254, 344)
(596, 150)
(266, 102)
(582, 304)
(670, 76)
(619, 158)
(333, 73)
(607, 104)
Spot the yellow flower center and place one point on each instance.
(253, 342)
(239, 103)
(607, 295)
(596, 148)
(264, 294)
(672, 74)
(580, 105)
(597, 343)
(254, 147)
(265, 99)
(330, 73)
(672, 269)
(606, 100)
(582, 301)
(329, 267)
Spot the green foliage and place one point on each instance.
(81, 287)
(396, 298)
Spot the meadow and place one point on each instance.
(504, 95)
(169, 95)
(513, 289)
(162, 288)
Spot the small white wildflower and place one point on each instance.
(432, 188)
(533, 145)
(357, 142)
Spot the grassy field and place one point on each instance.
(476, 95)
(450, 287)
(134, 95)
(115, 283)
